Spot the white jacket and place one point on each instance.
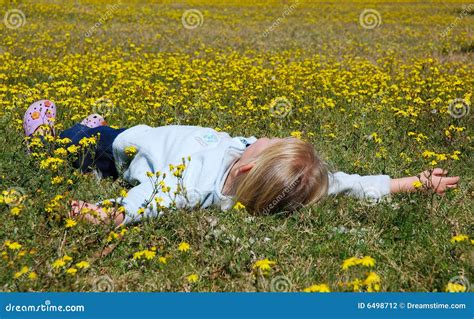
(212, 154)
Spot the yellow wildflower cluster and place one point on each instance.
(317, 288)
(370, 282)
(147, 254)
(25, 270)
(455, 287)
(12, 245)
(130, 151)
(69, 269)
(366, 261)
(88, 141)
(460, 238)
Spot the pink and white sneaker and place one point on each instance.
(94, 120)
(42, 112)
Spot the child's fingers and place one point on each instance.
(440, 172)
(74, 211)
(451, 180)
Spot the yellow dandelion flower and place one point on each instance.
(459, 238)
(417, 184)
(130, 151)
(239, 206)
(192, 278)
(317, 288)
(70, 223)
(367, 261)
(372, 282)
(123, 193)
(349, 262)
(83, 265)
(138, 255)
(71, 271)
(149, 254)
(15, 211)
(59, 263)
(14, 245)
(184, 246)
(296, 134)
(455, 287)
(265, 265)
(20, 273)
(73, 149)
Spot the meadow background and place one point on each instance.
(379, 87)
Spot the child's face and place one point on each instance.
(254, 150)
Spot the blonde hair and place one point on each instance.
(286, 176)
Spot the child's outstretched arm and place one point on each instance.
(377, 186)
(435, 179)
(135, 206)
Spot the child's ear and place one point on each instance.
(245, 168)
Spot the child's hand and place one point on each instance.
(92, 213)
(437, 180)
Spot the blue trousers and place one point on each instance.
(102, 156)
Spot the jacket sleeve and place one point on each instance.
(371, 186)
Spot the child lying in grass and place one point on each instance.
(266, 175)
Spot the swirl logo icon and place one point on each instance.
(370, 19)
(192, 19)
(280, 107)
(103, 106)
(280, 284)
(458, 108)
(103, 284)
(13, 196)
(14, 19)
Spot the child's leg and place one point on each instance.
(40, 117)
(103, 158)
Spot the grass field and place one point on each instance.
(385, 91)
